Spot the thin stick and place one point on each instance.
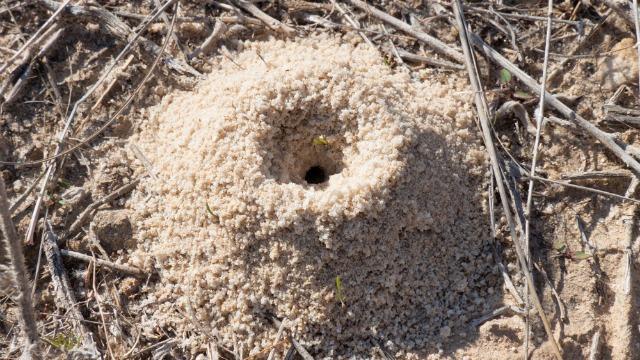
(54, 86)
(492, 219)
(598, 174)
(129, 270)
(539, 18)
(483, 112)
(98, 302)
(21, 70)
(218, 30)
(122, 31)
(498, 312)
(277, 340)
(637, 23)
(561, 307)
(19, 273)
(106, 91)
(272, 23)
(63, 291)
(596, 191)
(539, 115)
(595, 345)
(436, 44)
(423, 59)
(628, 249)
(301, 350)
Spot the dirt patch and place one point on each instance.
(305, 164)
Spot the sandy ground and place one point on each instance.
(583, 243)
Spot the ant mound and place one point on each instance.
(307, 182)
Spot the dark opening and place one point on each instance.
(315, 175)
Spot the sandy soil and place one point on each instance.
(269, 246)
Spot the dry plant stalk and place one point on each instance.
(539, 116)
(63, 289)
(20, 277)
(483, 112)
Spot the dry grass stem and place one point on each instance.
(64, 296)
(20, 278)
(483, 112)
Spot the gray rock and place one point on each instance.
(113, 230)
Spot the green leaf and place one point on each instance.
(64, 183)
(581, 255)
(339, 291)
(522, 95)
(64, 341)
(505, 76)
(560, 247)
(320, 140)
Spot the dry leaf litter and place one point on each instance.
(305, 160)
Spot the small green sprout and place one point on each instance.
(519, 94)
(209, 209)
(320, 140)
(505, 76)
(64, 341)
(560, 247)
(339, 290)
(64, 183)
(563, 251)
(581, 255)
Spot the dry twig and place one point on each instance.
(64, 294)
(534, 160)
(595, 345)
(19, 273)
(498, 312)
(218, 31)
(129, 270)
(637, 26)
(405, 55)
(598, 174)
(492, 219)
(96, 294)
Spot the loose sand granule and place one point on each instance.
(306, 160)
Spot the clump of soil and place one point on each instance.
(306, 180)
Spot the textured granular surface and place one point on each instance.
(301, 162)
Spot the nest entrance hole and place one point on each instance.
(316, 175)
